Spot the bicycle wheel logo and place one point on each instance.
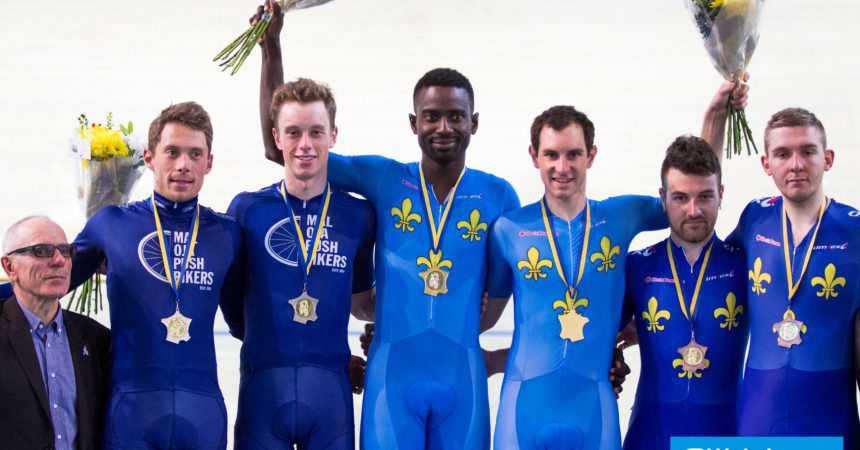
(149, 253)
(281, 243)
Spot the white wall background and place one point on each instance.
(637, 68)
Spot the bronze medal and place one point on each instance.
(789, 330)
(693, 355)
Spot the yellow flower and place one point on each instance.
(732, 7)
(104, 143)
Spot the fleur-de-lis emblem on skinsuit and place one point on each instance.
(828, 283)
(405, 216)
(686, 373)
(730, 312)
(534, 265)
(473, 226)
(435, 261)
(758, 278)
(605, 255)
(653, 316)
(570, 303)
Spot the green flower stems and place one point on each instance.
(235, 54)
(90, 299)
(738, 133)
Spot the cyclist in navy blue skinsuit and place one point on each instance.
(803, 287)
(690, 287)
(308, 262)
(164, 389)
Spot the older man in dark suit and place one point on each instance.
(54, 364)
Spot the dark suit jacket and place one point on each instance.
(25, 418)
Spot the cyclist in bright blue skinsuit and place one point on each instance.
(295, 388)
(566, 257)
(696, 396)
(804, 288)
(426, 381)
(426, 377)
(164, 389)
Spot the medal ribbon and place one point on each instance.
(792, 286)
(166, 255)
(306, 260)
(436, 233)
(698, 281)
(552, 245)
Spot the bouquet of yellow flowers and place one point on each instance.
(730, 30)
(235, 54)
(108, 163)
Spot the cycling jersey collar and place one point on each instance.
(170, 207)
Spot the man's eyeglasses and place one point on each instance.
(47, 250)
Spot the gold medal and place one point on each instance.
(304, 308)
(436, 279)
(177, 327)
(693, 356)
(571, 320)
(572, 326)
(788, 331)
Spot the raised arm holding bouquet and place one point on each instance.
(235, 54)
(108, 164)
(729, 29)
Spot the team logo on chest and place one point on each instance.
(473, 226)
(282, 246)
(404, 216)
(149, 254)
(730, 312)
(653, 315)
(281, 243)
(828, 283)
(604, 258)
(758, 278)
(533, 265)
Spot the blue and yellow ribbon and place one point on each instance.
(792, 286)
(306, 260)
(551, 236)
(165, 249)
(678, 289)
(436, 232)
